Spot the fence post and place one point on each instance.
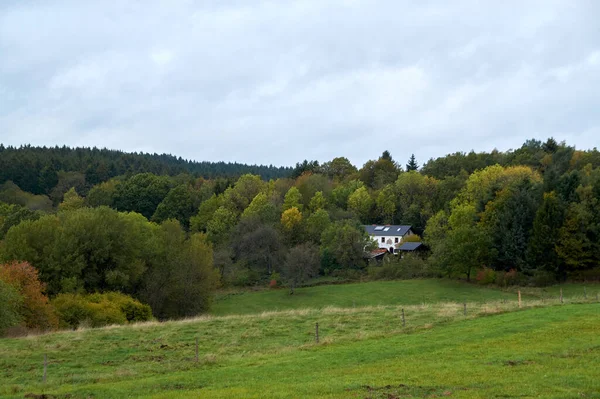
(45, 367)
(196, 349)
(465, 308)
(403, 319)
(317, 333)
(561, 296)
(519, 292)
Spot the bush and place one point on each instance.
(486, 276)
(10, 303)
(348, 274)
(504, 279)
(408, 267)
(543, 278)
(35, 310)
(585, 275)
(97, 310)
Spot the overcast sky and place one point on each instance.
(281, 81)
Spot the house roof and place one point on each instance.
(410, 246)
(376, 253)
(387, 230)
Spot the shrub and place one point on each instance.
(585, 275)
(348, 274)
(36, 311)
(504, 279)
(543, 278)
(97, 310)
(486, 276)
(408, 267)
(10, 303)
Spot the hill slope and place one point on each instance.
(363, 352)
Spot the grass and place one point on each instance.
(376, 293)
(497, 350)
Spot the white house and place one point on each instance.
(388, 236)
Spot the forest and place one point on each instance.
(110, 237)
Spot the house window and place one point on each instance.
(382, 239)
(396, 239)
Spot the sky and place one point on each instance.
(277, 82)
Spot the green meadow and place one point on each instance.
(376, 293)
(543, 349)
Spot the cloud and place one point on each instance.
(279, 82)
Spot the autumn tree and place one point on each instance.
(35, 311)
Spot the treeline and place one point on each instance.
(38, 170)
(530, 215)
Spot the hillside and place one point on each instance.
(363, 352)
(35, 169)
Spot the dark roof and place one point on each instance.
(387, 230)
(410, 246)
(376, 253)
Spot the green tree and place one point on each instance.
(508, 220)
(339, 168)
(180, 280)
(293, 199)
(579, 237)
(71, 201)
(343, 191)
(142, 193)
(459, 245)
(317, 202)
(343, 245)
(238, 197)
(10, 303)
(102, 194)
(262, 209)
(178, 205)
(220, 225)
(316, 224)
(415, 196)
(386, 204)
(86, 249)
(257, 246)
(301, 263)
(12, 215)
(541, 251)
(376, 174)
(361, 204)
(207, 209)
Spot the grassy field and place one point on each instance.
(407, 292)
(497, 350)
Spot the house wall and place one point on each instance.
(390, 241)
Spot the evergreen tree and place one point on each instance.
(412, 164)
(541, 251)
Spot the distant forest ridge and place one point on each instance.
(34, 169)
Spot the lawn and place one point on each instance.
(544, 349)
(406, 292)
